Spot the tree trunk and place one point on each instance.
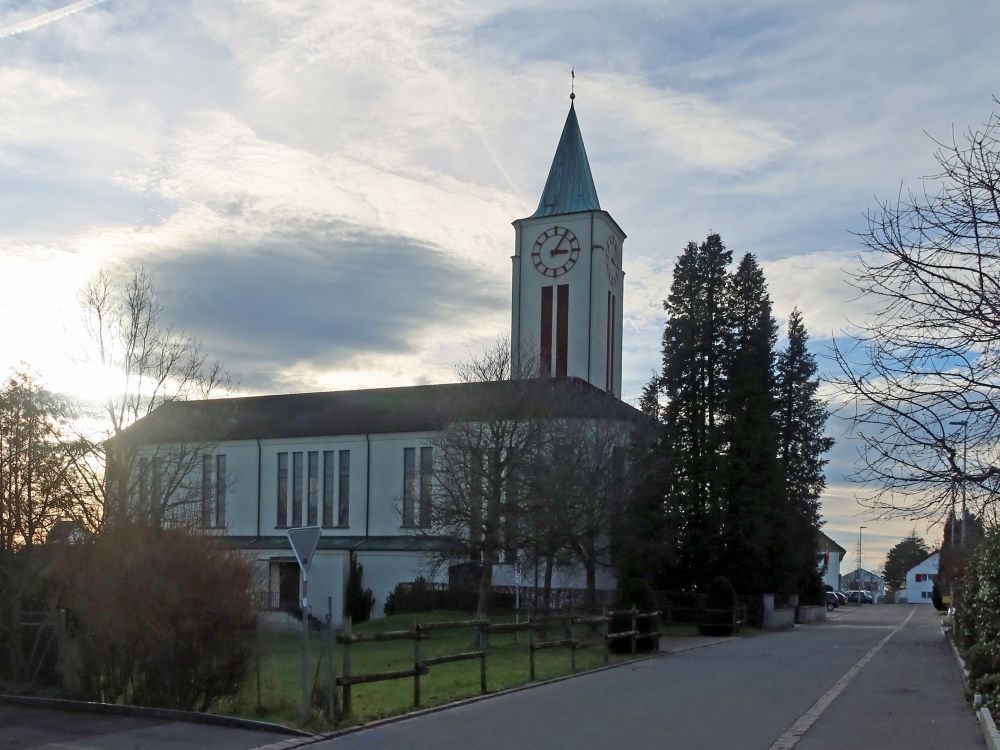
(591, 567)
(547, 593)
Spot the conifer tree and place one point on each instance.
(693, 385)
(801, 416)
(757, 530)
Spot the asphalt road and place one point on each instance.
(26, 727)
(743, 694)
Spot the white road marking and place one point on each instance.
(795, 732)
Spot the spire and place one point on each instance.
(570, 185)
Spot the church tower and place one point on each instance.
(567, 276)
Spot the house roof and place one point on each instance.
(373, 411)
(831, 544)
(570, 185)
(917, 565)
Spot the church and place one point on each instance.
(360, 464)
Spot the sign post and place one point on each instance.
(304, 541)
(517, 593)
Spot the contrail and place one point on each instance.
(54, 15)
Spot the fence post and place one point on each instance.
(531, 651)
(633, 611)
(607, 631)
(485, 639)
(331, 672)
(572, 642)
(347, 668)
(416, 666)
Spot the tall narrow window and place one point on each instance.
(328, 488)
(220, 491)
(562, 329)
(143, 485)
(344, 509)
(426, 475)
(206, 492)
(157, 488)
(475, 498)
(545, 337)
(297, 488)
(282, 520)
(409, 475)
(609, 375)
(313, 490)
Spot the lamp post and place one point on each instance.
(964, 424)
(857, 578)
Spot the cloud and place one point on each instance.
(318, 296)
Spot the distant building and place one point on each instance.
(865, 580)
(920, 579)
(829, 556)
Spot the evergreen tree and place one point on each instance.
(903, 556)
(801, 417)
(693, 384)
(757, 532)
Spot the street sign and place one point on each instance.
(304, 541)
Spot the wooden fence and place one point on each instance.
(538, 624)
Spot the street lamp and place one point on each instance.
(964, 424)
(857, 579)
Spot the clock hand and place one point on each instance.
(559, 249)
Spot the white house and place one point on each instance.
(829, 556)
(359, 463)
(920, 579)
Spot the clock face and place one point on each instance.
(613, 259)
(555, 251)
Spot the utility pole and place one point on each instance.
(857, 579)
(964, 424)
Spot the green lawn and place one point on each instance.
(507, 666)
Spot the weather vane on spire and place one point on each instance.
(572, 84)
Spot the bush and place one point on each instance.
(159, 618)
(358, 601)
(720, 605)
(936, 599)
(634, 592)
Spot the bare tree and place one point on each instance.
(152, 364)
(481, 461)
(922, 377)
(576, 496)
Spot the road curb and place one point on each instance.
(989, 729)
(986, 723)
(167, 714)
(295, 743)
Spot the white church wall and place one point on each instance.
(383, 570)
(385, 513)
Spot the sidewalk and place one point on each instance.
(909, 696)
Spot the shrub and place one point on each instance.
(717, 614)
(159, 618)
(634, 592)
(358, 601)
(978, 608)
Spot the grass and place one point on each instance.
(507, 666)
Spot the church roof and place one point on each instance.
(570, 185)
(373, 411)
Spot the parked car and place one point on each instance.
(868, 597)
(857, 596)
(832, 601)
(842, 596)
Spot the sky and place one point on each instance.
(324, 191)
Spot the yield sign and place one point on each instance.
(304, 541)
